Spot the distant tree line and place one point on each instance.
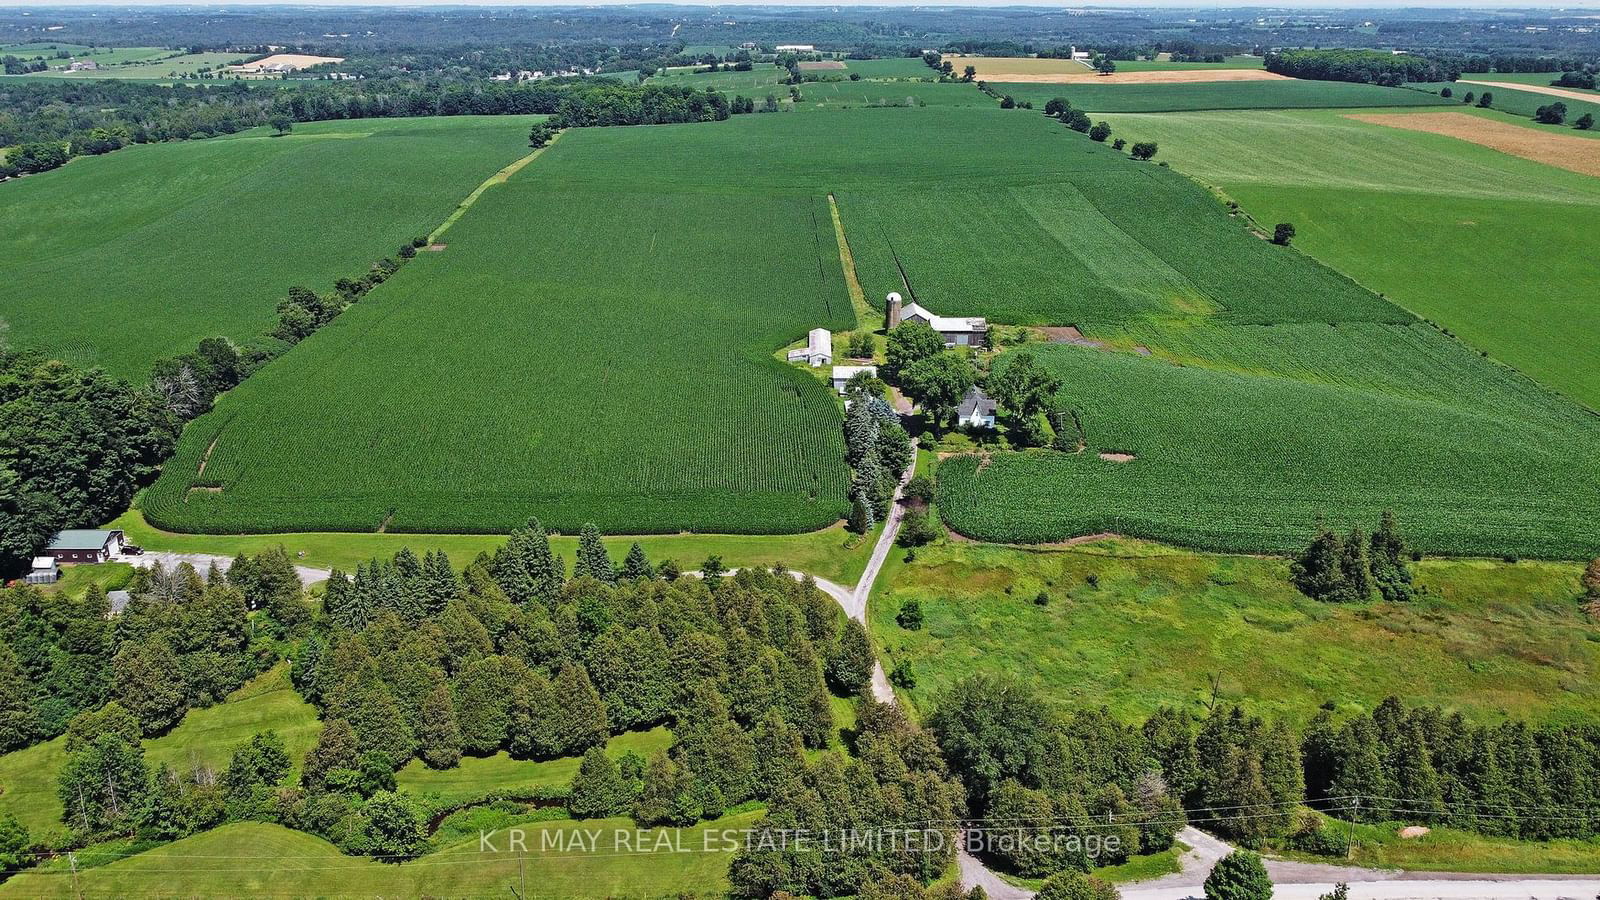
(74, 446)
(1365, 66)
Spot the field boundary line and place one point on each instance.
(500, 177)
(847, 261)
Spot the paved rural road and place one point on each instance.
(204, 561)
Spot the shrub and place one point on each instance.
(1282, 234)
(1239, 876)
(910, 615)
(1042, 599)
(902, 676)
(1143, 150)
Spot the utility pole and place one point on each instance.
(72, 859)
(1349, 825)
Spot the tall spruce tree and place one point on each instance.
(850, 664)
(526, 569)
(599, 790)
(18, 722)
(437, 732)
(637, 565)
(1387, 557)
(593, 561)
(578, 721)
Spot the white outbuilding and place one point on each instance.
(843, 374)
(818, 350)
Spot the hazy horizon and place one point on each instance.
(971, 4)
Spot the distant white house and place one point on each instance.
(957, 332)
(843, 374)
(83, 65)
(44, 570)
(818, 350)
(976, 410)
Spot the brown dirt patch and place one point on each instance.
(823, 64)
(1547, 89)
(207, 458)
(435, 248)
(1414, 831)
(1175, 76)
(1575, 154)
(1068, 334)
(1118, 457)
(201, 490)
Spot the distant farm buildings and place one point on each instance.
(797, 48)
(83, 65)
(84, 545)
(281, 64)
(818, 350)
(957, 332)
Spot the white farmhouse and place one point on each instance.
(818, 350)
(976, 410)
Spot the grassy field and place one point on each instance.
(1541, 79)
(159, 65)
(1488, 639)
(1492, 246)
(830, 553)
(1450, 850)
(140, 254)
(1281, 94)
(204, 737)
(479, 775)
(257, 860)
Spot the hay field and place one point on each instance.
(1570, 152)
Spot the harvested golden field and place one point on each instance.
(1564, 151)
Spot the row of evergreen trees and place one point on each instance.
(1348, 569)
(877, 448)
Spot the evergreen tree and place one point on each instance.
(437, 731)
(779, 756)
(163, 816)
(370, 708)
(850, 664)
(668, 797)
(335, 749)
(1239, 876)
(861, 518)
(148, 680)
(262, 761)
(533, 717)
(598, 790)
(18, 724)
(440, 584)
(1354, 570)
(593, 561)
(1387, 557)
(14, 843)
(1316, 572)
(482, 704)
(711, 743)
(637, 565)
(102, 787)
(526, 569)
(578, 721)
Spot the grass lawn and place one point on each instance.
(204, 737)
(1450, 850)
(75, 580)
(1488, 638)
(257, 860)
(831, 553)
(1494, 247)
(477, 776)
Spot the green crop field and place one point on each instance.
(897, 67)
(825, 94)
(762, 79)
(143, 64)
(257, 860)
(1487, 639)
(204, 737)
(1521, 103)
(1276, 94)
(1167, 65)
(595, 345)
(1247, 437)
(141, 253)
(991, 212)
(1494, 247)
(1542, 79)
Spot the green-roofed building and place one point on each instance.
(85, 545)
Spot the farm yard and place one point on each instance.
(1490, 245)
(140, 254)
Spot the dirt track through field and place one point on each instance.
(1539, 89)
(1564, 151)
